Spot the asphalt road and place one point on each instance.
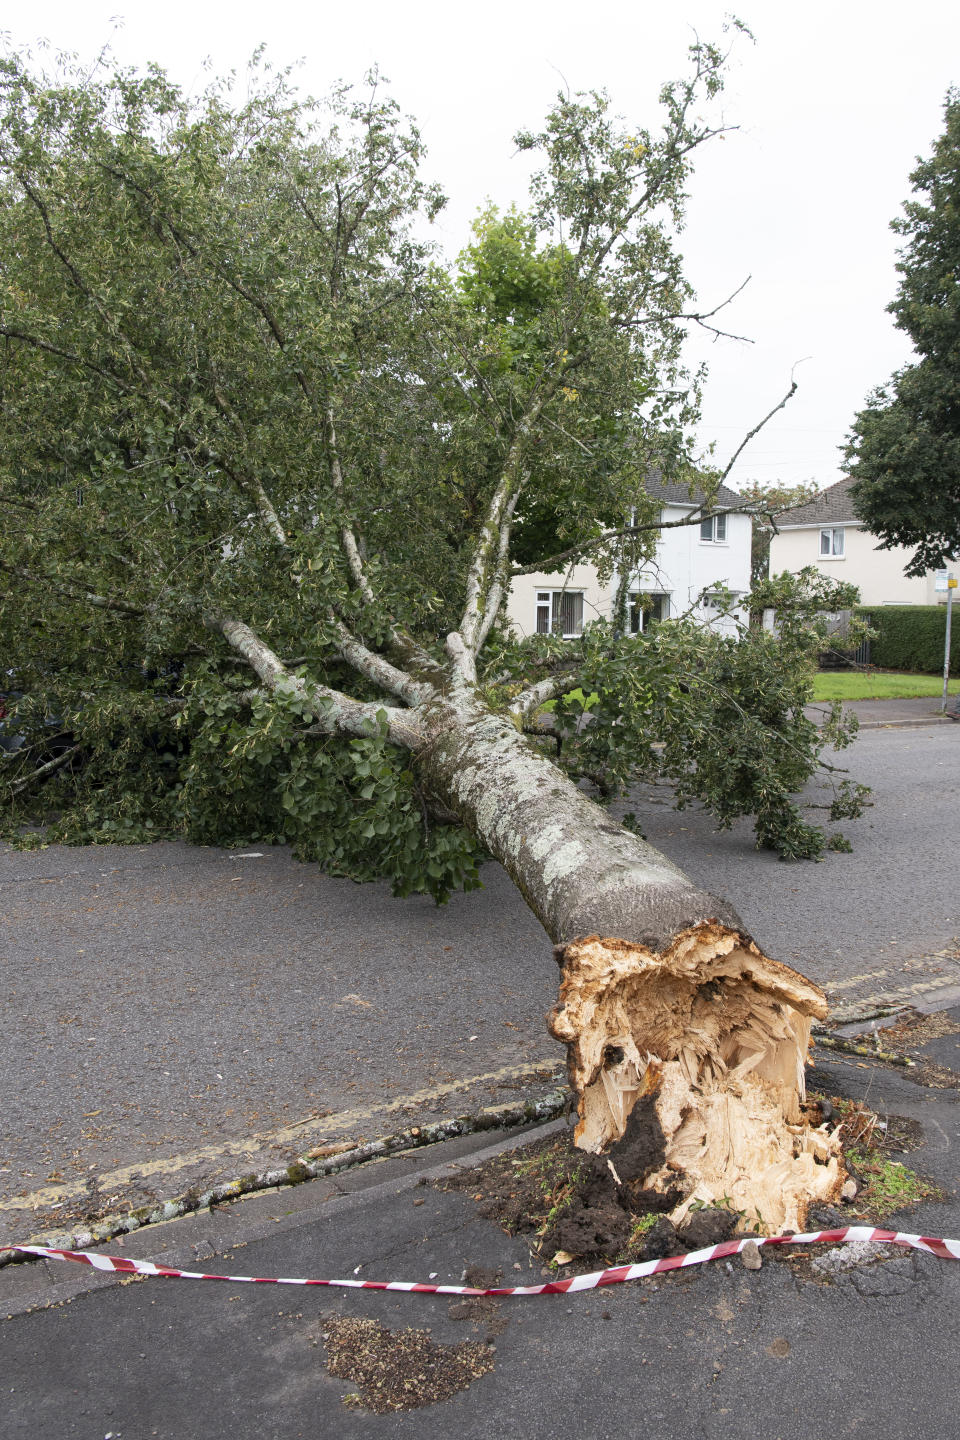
(177, 1015)
(882, 912)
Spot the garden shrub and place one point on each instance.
(911, 637)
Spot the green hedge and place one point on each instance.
(911, 637)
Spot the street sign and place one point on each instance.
(940, 581)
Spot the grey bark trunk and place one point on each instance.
(664, 998)
(579, 871)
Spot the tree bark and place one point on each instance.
(686, 1044)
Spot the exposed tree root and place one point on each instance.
(688, 1066)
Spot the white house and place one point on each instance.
(828, 535)
(691, 561)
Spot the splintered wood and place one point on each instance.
(707, 1042)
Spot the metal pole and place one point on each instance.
(951, 583)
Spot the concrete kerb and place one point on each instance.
(34, 1281)
(369, 1187)
(716, 1350)
(892, 714)
(517, 1118)
(907, 724)
(522, 1113)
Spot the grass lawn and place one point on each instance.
(852, 685)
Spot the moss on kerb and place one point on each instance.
(543, 1107)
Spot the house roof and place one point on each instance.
(833, 507)
(677, 494)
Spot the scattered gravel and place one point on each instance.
(849, 1257)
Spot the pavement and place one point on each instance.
(925, 710)
(714, 1353)
(177, 1017)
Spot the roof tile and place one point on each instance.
(677, 494)
(833, 507)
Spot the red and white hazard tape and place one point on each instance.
(945, 1249)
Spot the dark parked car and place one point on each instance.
(11, 739)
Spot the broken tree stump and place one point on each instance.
(688, 1066)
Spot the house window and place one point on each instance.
(560, 612)
(713, 529)
(831, 543)
(725, 600)
(647, 610)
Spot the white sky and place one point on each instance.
(834, 103)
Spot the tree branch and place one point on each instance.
(85, 289)
(66, 588)
(697, 513)
(18, 786)
(535, 695)
(375, 668)
(20, 503)
(332, 711)
(756, 430)
(494, 540)
(266, 312)
(463, 658)
(57, 350)
(348, 541)
(701, 317)
(501, 578)
(671, 153)
(698, 317)
(476, 373)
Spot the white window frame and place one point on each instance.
(548, 604)
(832, 536)
(713, 529)
(643, 615)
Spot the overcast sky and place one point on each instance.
(833, 104)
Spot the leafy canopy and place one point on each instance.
(904, 449)
(770, 501)
(268, 463)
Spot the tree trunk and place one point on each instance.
(686, 1045)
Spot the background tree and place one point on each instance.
(265, 461)
(904, 449)
(769, 501)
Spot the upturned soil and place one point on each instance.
(568, 1204)
(576, 1209)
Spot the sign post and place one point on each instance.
(951, 585)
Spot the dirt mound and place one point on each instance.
(571, 1203)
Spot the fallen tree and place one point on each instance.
(686, 1044)
(272, 471)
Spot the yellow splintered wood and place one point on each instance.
(718, 1034)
